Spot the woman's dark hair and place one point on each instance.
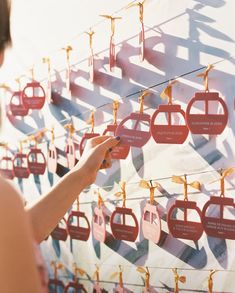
(5, 36)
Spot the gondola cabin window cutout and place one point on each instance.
(112, 53)
(60, 232)
(75, 286)
(33, 95)
(119, 152)
(70, 147)
(218, 213)
(52, 154)
(123, 222)
(36, 159)
(138, 133)
(78, 225)
(91, 57)
(88, 135)
(207, 122)
(6, 164)
(99, 220)
(20, 164)
(190, 226)
(168, 121)
(55, 285)
(16, 105)
(142, 31)
(151, 221)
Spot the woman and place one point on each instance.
(21, 227)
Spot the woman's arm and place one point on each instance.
(18, 272)
(48, 210)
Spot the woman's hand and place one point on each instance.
(96, 156)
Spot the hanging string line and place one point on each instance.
(127, 96)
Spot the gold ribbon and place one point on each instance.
(115, 109)
(18, 80)
(112, 22)
(204, 75)
(97, 274)
(145, 184)
(223, 174)
(70, 128)
(90, 34)
(178, 279)
(120, 274)
(141, 100)
(76, 271)
(56, 267)
(147, 276)
(122, 192)
(91, 121)
(167, 92)
(141, 9)
(210, 281)
(100, 199)
(48, 62)
(180, 180)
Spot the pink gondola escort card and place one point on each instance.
(99, 221)
(151, 221)
(86, 136)
(139, 134)
(173, 131)
(210, 121)
(215, 221)
(78, 225)
(123, 221)
(119, 152)
(186, 228)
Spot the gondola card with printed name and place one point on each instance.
(33, 96)
(119, 152)
(172, 131)
(207, 122)
(36, 161)
(60, 232)
(88, 135)
(186, 228)
(214, 219)
(99, 221)
(70, 147)
(55, 285)
(16, 105)
(6, 164)
(78, 225)
(151, 221)
(135, 136)
(123, 222)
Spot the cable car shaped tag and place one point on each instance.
(185, 229)
(52, 155)
(60, 232)
(142, 32)
(88, 135)
(91, 57)
(99, 221)
(120, 220)
(70, 147)
(17, 106)
(135, 137)
(56, 285)
(81, 229)
(151, 221)
(6, 165)
(207, 123)
(216, 225)
(119, 152)
(20, 164)
(170, 132)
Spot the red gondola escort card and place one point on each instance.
(186, 228)
(135, 136)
